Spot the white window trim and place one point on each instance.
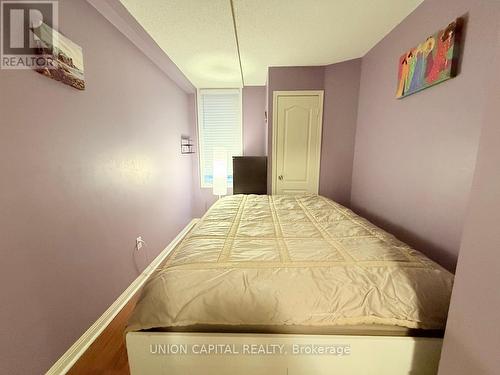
(203, 184)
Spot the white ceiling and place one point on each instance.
(198, 35)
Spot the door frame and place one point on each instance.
(276, 94)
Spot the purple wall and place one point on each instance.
(254, 124)
(472, 338)
(83, 174)
(340, 83)
(339, 129)
(415, 157)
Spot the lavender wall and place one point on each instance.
(340, 83)
(83, 174)
(472, 336)
(415, 157)
(254, 124)
(341, 86)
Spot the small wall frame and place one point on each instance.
(186, 145)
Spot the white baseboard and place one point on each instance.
(69, 358)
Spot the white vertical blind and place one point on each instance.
(219, 121)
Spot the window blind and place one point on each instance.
(219, 128)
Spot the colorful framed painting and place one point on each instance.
(433, 61)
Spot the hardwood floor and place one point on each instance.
(108, 353)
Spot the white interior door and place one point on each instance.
(297, 124)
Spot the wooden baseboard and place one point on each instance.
(69, 358)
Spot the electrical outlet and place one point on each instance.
(139, 242)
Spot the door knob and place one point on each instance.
(280, 177)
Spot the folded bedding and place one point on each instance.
(292, 261)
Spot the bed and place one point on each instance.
(297, 272)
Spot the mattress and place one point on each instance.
(288, 263)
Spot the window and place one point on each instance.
(219, 121)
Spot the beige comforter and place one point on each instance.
(292, 261)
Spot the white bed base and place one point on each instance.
(148, 353)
